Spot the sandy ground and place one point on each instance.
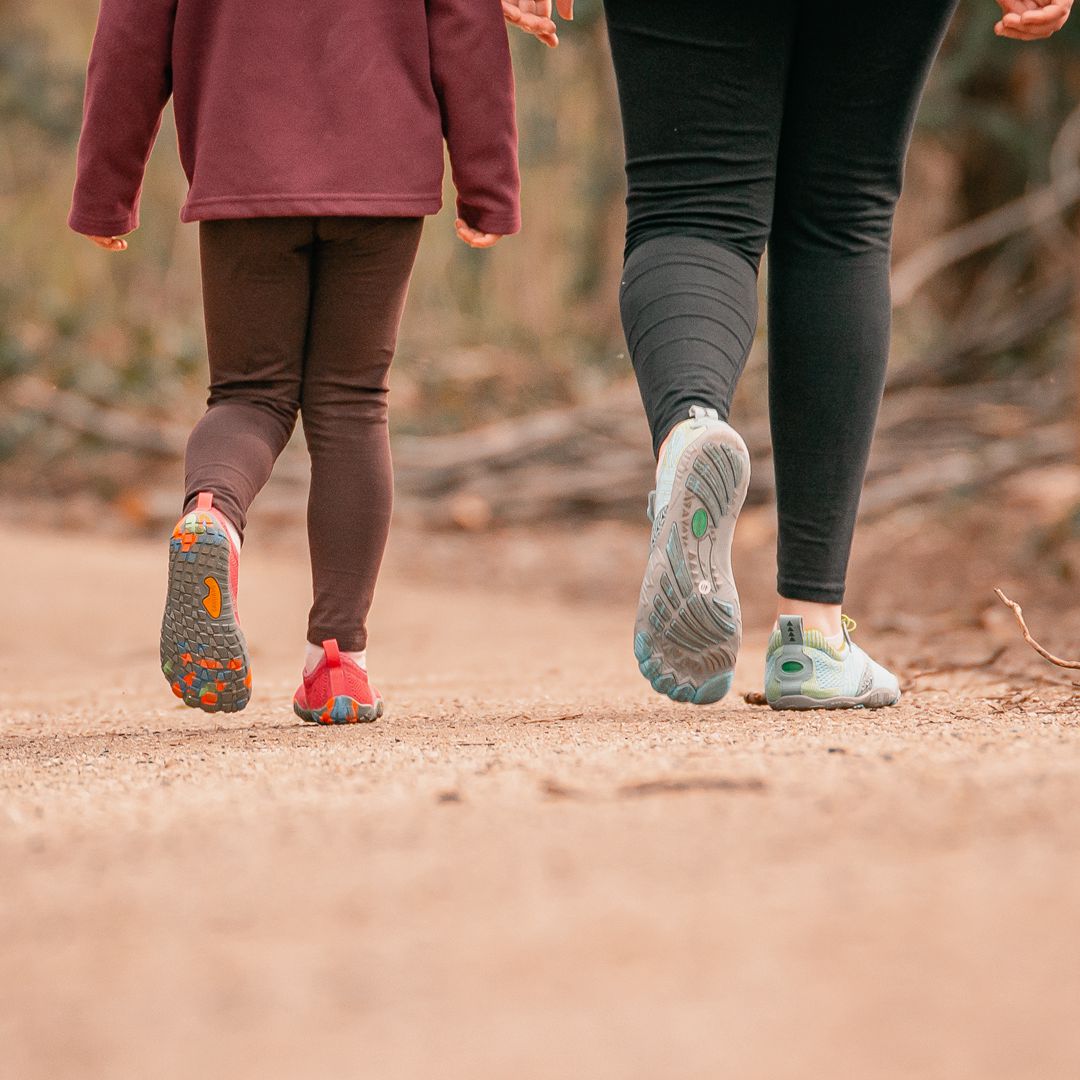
(530, 868)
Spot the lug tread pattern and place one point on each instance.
(204, 659)
(688, 628)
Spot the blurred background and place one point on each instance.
(511, 403)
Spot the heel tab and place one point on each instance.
(338, 687)
(205, 501)
(791, 629)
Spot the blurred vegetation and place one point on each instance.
(531, 324)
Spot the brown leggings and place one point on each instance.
(301, 319)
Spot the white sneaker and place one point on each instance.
(689, 627)
(804, 671)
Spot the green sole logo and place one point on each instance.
(699, 523)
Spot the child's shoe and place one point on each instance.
(337, 691)
(688, 626)
(803, 670)
(203, 652)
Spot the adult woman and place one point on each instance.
(785, 123)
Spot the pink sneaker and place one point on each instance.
(203, 652)
(337, 692)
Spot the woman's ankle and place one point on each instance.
(823, 617)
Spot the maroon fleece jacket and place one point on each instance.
(301, 107)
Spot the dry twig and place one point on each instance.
(1018, 611)
(1023, 213)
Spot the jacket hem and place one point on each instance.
(326, 205)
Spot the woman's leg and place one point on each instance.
(701, 90)
(256, 291)
(361, 275)
(856, 76)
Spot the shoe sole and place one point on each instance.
(873, 699)
(689, 625)
(341, 710)
(204, 656)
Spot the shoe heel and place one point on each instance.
(203, 653)
(793, 668)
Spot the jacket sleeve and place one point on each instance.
(128, 83)
(474, 82)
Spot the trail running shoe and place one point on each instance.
(689, 626)
(803, 671)
(337, 692)
(203, 652)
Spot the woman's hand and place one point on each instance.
(474, 237)
(534, 17)
(1029, 20)
(109, 243)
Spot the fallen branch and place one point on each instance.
(982, 232)
(72, 411)
(1018, 611)
(592, 460)
(1038, 206)
(927, 480)
(111, 425)
(981, 337)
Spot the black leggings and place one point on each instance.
(784, 122)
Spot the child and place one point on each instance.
(312, 139)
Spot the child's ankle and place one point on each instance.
(314, 654)
(232, 531)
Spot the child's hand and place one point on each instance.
(475, 238)
(534, 17)
(1030, 20)
(109, 243)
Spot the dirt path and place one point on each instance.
(530, 868)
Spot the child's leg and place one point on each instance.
(360, 277)
(256, 297)
(256, 291)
